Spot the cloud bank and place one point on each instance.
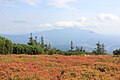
(104, 23)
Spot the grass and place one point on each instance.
(59, 67)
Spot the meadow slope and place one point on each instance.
(59, 67)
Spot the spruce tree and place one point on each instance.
(100, 49)
(71, 46)
(31, 40)
(49, 46)
(77, 48)
(36, 43)
(81, 49)
(103, 51)
(42, 42)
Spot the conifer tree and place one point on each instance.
(103, 49)
(42, 42)
(49, 46)
(36, 43)
(98, 49)
(31, 40)
(81, 49)
(77, 48)
(71, 46)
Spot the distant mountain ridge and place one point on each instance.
(61, 38)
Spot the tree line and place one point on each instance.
(34, 47)
(76, 50)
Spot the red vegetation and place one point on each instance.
(59, 67)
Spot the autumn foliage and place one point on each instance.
(59, 67)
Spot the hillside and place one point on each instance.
(59, 67)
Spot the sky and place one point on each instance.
(24, 16)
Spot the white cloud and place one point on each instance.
(32, 2)
(103, 24)
(107, 17)
(11, 2)
(109, 26)
(61, 3)
(54, 3)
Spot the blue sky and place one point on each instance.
(24, 16)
